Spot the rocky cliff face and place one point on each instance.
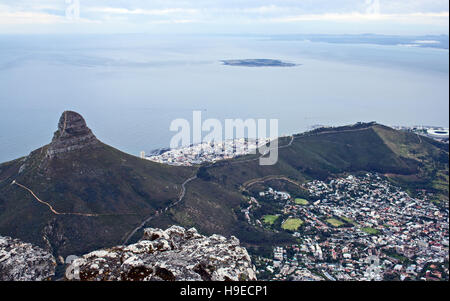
(174, 254)
(72, 134)
(21, 261)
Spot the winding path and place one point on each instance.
(54, 211)
(48, 205)
(180, 198)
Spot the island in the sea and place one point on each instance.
(258, 63)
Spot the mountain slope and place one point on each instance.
(98, 192)
(99, 195)
(432, 158)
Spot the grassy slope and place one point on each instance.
(432, 158)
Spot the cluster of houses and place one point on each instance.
(207, 152)
(363, 228)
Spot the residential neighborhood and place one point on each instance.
(356, 228)
(207, 152)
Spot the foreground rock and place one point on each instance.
(21, 261)
(174, 254)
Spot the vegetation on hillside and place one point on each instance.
(130, 189)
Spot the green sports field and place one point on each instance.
(335, 222)
(300, 201)
(292, 224)
(270, 219)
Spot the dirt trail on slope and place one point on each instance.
(54, 211)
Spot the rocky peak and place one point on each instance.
(72, 134)
(21, 261)
(173, 254)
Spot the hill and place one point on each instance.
(97, 193)
(407, 160)
(77, 194)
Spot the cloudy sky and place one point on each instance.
(225, 16)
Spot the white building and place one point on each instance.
(438, 133)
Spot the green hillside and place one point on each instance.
(122, 190)
(316, 155)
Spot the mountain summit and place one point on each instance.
(72, 134)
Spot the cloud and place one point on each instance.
(229, 13)
(272, 14)
(29, 18)
(11, 16)
(358, 17)
(154, 12)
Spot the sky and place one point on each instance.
(407, 17)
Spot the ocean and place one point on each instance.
(130, 87)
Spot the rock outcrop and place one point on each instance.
(174, 254)
(72, 134)
(21, 261)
